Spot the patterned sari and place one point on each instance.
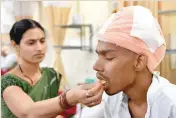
(47, 87)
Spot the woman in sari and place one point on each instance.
(29, 91)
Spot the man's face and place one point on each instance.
(115, 65)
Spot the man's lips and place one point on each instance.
(102, 80)
(100, 77)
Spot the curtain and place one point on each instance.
(57, 15)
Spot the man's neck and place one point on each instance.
(137, 91)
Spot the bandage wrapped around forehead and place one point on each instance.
(135, 29)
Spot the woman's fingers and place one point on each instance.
(93, 103)
(95, 89)
(95, 97)
(90, 94)
(87, 86)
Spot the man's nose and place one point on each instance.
(98, 66)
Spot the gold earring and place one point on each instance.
(17, 50)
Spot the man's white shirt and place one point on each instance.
(161, 101)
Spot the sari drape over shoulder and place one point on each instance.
(47, 87)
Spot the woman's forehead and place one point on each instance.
(34, 33)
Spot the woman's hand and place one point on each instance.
(87, 94)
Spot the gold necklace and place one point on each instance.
(26, 75)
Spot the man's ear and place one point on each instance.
(141, 62)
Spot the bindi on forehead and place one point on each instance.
(31, 38)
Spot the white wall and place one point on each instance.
(7, 16)
(78, 64)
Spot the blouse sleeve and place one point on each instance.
(7, 81)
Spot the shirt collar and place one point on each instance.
(150, 94)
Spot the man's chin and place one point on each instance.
(111, 93)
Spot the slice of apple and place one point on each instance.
(103, 82)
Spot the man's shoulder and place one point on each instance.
(166, 86)
(167, 90)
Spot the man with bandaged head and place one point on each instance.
(130, 47)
